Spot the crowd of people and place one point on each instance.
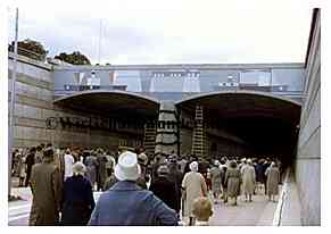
(137, 189)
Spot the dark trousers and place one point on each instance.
(27, 177)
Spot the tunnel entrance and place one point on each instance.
(121, 118)
(245, 124)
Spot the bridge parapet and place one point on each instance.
(174, 82)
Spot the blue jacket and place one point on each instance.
(126, 204)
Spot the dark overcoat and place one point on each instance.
(176, 177)
(78, 201)
(164, 189)
(46, 189)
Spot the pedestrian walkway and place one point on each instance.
(288, 210)
(19, 210)
(260, 212)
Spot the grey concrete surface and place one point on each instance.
(308, 161)
(260, 212)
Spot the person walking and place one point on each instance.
(78, 201)
(46, 191)
(144, 177)
(110, 164)
(164, 189)
(39, 154)
(223, 167)
(232, 180)
(216, 180)
(266, 165)
(29, 161)
(127, 204)
(260, 175)
(154, 167)
(20, 167)
(182, 163)
(110, 181)
(102, 169)
(143, 162)
(193, 186)
(176, 177)
(273, 180)
(91, 164)
(248, 180)
(68, 164)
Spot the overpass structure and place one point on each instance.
(209, 110)
(248, 91)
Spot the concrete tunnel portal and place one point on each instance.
(122, 116)
(251, 124)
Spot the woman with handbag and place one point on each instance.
(193, 186)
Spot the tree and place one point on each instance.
(75, 58)
(30, 48)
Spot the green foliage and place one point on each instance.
(75, 58)
(30, 48)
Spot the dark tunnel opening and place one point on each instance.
(264, 136)
(250, 124)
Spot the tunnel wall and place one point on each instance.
(308, 161)
(225, 147)
(33, 107)
(226, 144)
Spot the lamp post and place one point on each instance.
(12, 108)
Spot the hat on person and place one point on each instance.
(127, 167)
(194, 166)
(78, 168)
(163, 170)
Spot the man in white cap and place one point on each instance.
(126, 204)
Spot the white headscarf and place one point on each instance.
(79, 168)
(194, 166)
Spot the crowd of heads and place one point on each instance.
(145, 161)
(137, 165)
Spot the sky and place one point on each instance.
(166, 32)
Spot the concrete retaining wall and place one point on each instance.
(33, 106)
(308, 161)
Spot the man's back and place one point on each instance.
(29, 161)
(164, 189)
(45, 185)
(127, 204)
(42, 182)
